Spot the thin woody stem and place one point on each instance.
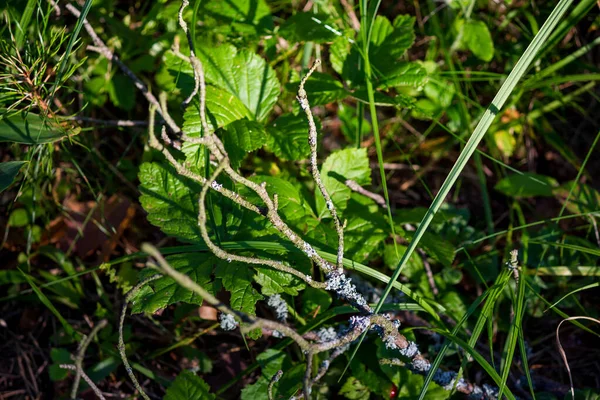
(106, 52)
(81, 354)
(312, 141)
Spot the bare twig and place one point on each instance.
(85, 378)
(101, 48)
(377, 198)
(121, 345)
(78, 359)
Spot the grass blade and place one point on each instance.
(484, 124)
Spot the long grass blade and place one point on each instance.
(484, 124)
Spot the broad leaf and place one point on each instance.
(170, 200)
(239, 16)
(243, 74)
(237, 279)
(271, 361)
(313, 299)
(273, 282)
(404, 74)
(222, 108)
(338, 167)
(288, 137)
(390, 42)
(8, 173)
(188, 386)
(366, 228)
(354, 389)
(477, 38)
(527, 185)
(241, 137)
(308, 27)
(165, 291)
(321, 89)
(29, 129)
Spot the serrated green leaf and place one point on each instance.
(477, 38)
(389, 42)
(308, 27)
(321, 89)
(243, 74)
(404, 74)
(527, 185)
(271, 361)
(339, 52)
(237, 279)
(273, 282)
(188, 386)
(288, 137)
(170, 200)
(338, 167)
(222, 108)
(437, 248)
(243, 16)
(165, 291)
(8, 173)
(241, 137)
(29, 128)
(366, 228)
(354, 389)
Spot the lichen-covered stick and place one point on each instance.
(312, 141)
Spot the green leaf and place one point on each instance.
(29, 129)
(241, 137)
(390, 259)
(366, 228)
(270, 361)
(237, 279)
(188, 386)
(404, 74)
(307, 27)
(288, 137)
(8, 173)
(390, 42)
(165, 291)
(222, 108)
(243, 74)
(338, 167)
(243, 16)
(273, 281)
(353, 389)
(477, 38)
(122, 92)
(59, 356)
(436, 247)
(321, 89)
(313, 299)
(170, 200)
(527, 185)
(291, 205)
